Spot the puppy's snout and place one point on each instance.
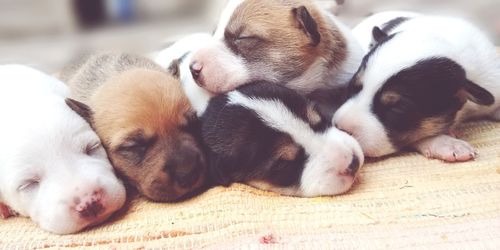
(196, 69)
(188, 167)
(90, 205)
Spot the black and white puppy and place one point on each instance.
(421, 79)
(272, 138)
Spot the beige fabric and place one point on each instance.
(404, 201)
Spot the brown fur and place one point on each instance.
(141, 115)
(273, 21)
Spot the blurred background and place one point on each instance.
(47, 34)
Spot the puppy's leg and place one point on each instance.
(446, 148)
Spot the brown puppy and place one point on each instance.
(145, 122)
(283, 41)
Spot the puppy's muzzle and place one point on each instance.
(90, 205)
(188, 168)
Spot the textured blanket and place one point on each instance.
(404, 201)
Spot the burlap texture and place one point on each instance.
(405, 201)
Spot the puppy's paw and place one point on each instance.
(446, 148)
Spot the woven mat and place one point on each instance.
(404, 201)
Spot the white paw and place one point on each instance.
(446, 148)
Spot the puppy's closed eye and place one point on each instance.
(29, 185)
(92, 148)
(134, 149)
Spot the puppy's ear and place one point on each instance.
(478, 94)
(378, 34)
(81, 109)
(307, 24)
(174, 69)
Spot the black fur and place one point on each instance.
(307, 24)
(242, 148)
(429, 89)
(355, 86)
(393, 23)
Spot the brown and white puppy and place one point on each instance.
(144, 120)
(280, 41)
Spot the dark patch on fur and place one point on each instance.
(393, 23)
(327, 101)
(81, 109)
(241, 147)
(296, 103)
(307, 24)
(429, 90)
(355, 85)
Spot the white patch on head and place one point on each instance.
(45, 171)
(225, 17)
(330, 153)
(356, 117)
(185, 47)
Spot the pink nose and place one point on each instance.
(196, 68)
(90, 205)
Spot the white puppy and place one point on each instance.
(423, 76)
(53, 168)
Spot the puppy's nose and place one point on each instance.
(196, 68)
(188, 171)
(90, 205)
(353, 168)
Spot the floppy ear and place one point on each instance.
(378, 34)
(307, 24)
(173, 68)
(478, 94)
(81, 109)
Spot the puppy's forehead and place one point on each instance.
(256, 15)
(140, 99)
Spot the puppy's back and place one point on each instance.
(87, 73)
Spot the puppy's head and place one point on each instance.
(270, 137)
(397, 100)
(150, 132)
(52, 167)
(272, 40)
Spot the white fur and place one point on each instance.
(420, 38)
(330, 153)
(198, 96)
(43, 139)
(363, 30)
(225, 18)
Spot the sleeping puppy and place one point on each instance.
(272, 138)
(417, 83)
(53, 168)
(145, 121)
(280, 41)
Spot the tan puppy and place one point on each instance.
(295, 42)
(144, 120)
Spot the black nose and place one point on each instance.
(196, 69)
(187, 168)
(354, 166)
